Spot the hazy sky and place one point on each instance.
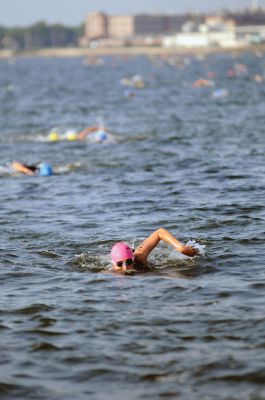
(73, 12)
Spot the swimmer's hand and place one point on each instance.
(130, 271)
(189, 251)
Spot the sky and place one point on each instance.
(73, 12)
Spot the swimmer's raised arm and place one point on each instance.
(19, 167)
(83, 134)
(144, 249)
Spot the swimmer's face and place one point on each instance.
(124, 265)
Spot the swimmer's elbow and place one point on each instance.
(161, 232)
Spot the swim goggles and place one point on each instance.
(129, 261)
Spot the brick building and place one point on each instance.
(96, 26)
(100, 25)
(121, 27)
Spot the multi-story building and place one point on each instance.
(99, 25)
(121, 26)
(145, 24)
(96, 26)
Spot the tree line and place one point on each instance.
(39, 35)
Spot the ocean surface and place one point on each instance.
(186, 158)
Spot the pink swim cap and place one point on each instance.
(121, 251)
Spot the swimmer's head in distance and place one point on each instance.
(45, 169)
(121, 251)
(71, 135)
(54, 136)
(101, 136)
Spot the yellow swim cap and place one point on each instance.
(53, 136)
(71, 135)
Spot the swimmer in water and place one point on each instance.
(41, 169)
(125, 260)
(100, 133)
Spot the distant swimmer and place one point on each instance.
(202, 83)
(126, 260)
(54, 135)
(219, 93)
(100, 134)
(258, 78)
(71, 135)
(128, 93)
(135, 81)
(41, 169)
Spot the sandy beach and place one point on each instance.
(127, 51)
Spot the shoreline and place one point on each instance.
(127, 51)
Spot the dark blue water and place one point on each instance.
(177, 158)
